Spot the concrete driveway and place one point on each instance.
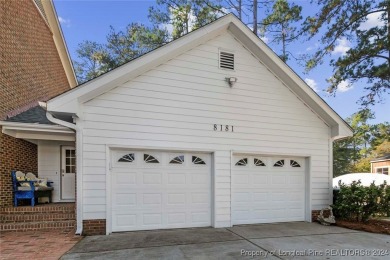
(297, 240)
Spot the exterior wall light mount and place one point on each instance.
(231, 81)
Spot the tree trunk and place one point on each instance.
(239, 9)
(388, 27)
(284, 44)
(255, 16)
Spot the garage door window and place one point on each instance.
(258, 162)
(242, 162)
(294, 164)
(177, 160)
(197, 160)
(127, 158)
(279, 163)
(150, 159)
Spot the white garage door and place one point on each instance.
(157, 190)
(267, 190)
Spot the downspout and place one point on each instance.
(57, 121)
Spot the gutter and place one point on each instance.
(79, 221)
(60, 122)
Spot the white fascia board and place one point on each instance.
(290, 79)
(35, 127)
(70, 100)
(30, 135)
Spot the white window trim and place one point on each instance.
(382, 167)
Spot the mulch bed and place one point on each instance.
(372, 225)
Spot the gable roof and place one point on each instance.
(68, 102)
(385, 157)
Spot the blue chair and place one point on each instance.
(22, 192)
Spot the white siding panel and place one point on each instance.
(176, 105)
(49, 164)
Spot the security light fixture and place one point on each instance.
(231, 81)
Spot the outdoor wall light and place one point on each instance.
(231, 81)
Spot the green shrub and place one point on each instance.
(358, 203)
(384, 200)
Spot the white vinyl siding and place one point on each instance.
(49, 164)
(176, 104)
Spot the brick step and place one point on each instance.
(36, 217)
(31, 226)
(46, 208)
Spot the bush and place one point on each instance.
(358, 203)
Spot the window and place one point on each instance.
(294, 164)
(150, 159)
(382, 170)
(70, 161)
(279, 163)
(177, 160)
(242, 162)
(258, 162)
(127, 158)
(197, 160)
(226, 60)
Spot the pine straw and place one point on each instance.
(372, 225)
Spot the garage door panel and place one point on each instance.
(125, 199)
(151, 178)
(266, 194)
(262, 214)
(240, 178)
(176, 178)
(177, 218)
(151, 199)
(200, 217)
(260, 196)
(260, 179)
(278, 180)
(161, 195)
(151, 219)
(126, 220)
(176, 199)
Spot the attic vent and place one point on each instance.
(226, 60)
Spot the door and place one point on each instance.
(268, 189)
(159, 190)
(68, 173)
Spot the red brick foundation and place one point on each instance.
(94, 227)
(314, 215)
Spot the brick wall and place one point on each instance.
(30, 71)
(30, 67)
(15, 154)
(314, 215)
(94, 227)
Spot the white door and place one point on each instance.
(266, 190)
(68, 173)
(159, 190)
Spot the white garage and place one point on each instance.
(158, 190)
(267, 189)
(218, 89)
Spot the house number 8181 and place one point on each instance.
(225, 128)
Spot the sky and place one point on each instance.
(91, 20)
